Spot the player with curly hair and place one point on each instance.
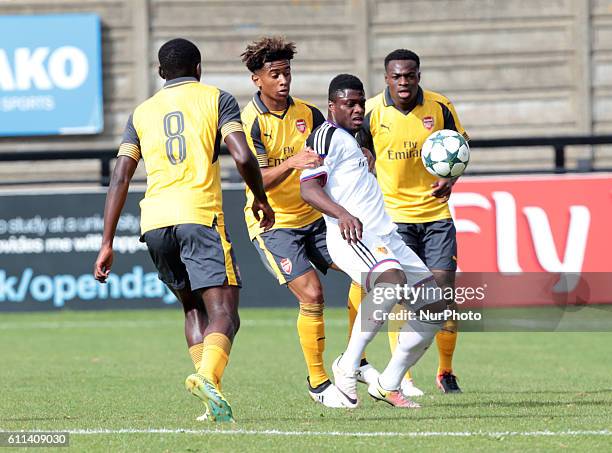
(277, 125)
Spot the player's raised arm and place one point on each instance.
(312, 192)
(305, 158)
(115, 199)
(249, 170)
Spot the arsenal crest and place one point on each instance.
(287, 265)
(428, 122)
(301, 126)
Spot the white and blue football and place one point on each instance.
(445, 154)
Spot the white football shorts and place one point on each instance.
(374, 254)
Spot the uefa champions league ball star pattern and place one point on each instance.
(445, 154)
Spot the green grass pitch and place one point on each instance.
(123, 373)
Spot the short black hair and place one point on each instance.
(402, 54)
(178, 58)
(266, 50)
(343, 82)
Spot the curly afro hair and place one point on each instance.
(267, 49)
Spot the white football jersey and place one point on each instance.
(346, 178)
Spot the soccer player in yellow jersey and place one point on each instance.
(276, 127)
(177, 133)
(397, 122)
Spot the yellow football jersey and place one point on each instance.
(274, 137)
(396, 139)
(178, 132)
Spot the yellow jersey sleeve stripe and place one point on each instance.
(129, 150)
(262, 161)
(228, 128)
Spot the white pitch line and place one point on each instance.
(246, 432)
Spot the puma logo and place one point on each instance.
(385, 126)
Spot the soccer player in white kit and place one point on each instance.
(363, 241)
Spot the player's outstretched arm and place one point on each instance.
(273, 176)
(313, 194)
(115, 199)
(304, 159)
(249, 170)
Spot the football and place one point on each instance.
(445, 154)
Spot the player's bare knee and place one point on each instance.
(392, 276)
(311, 294)
(313, 299)
(217, 312)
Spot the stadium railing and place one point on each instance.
(558, 145)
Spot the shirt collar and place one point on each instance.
(337, 126)
(389, 99)
(262, 107)
(179, 80)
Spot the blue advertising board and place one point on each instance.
(50, 75)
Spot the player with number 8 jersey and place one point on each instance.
(178, 132)
(156, 131)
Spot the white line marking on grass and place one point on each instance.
(246, 432)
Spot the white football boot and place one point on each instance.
(328, 395)
(346, 382)
(409, 389)
(366, 374)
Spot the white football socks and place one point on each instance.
(364, 330)
(413, 340)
